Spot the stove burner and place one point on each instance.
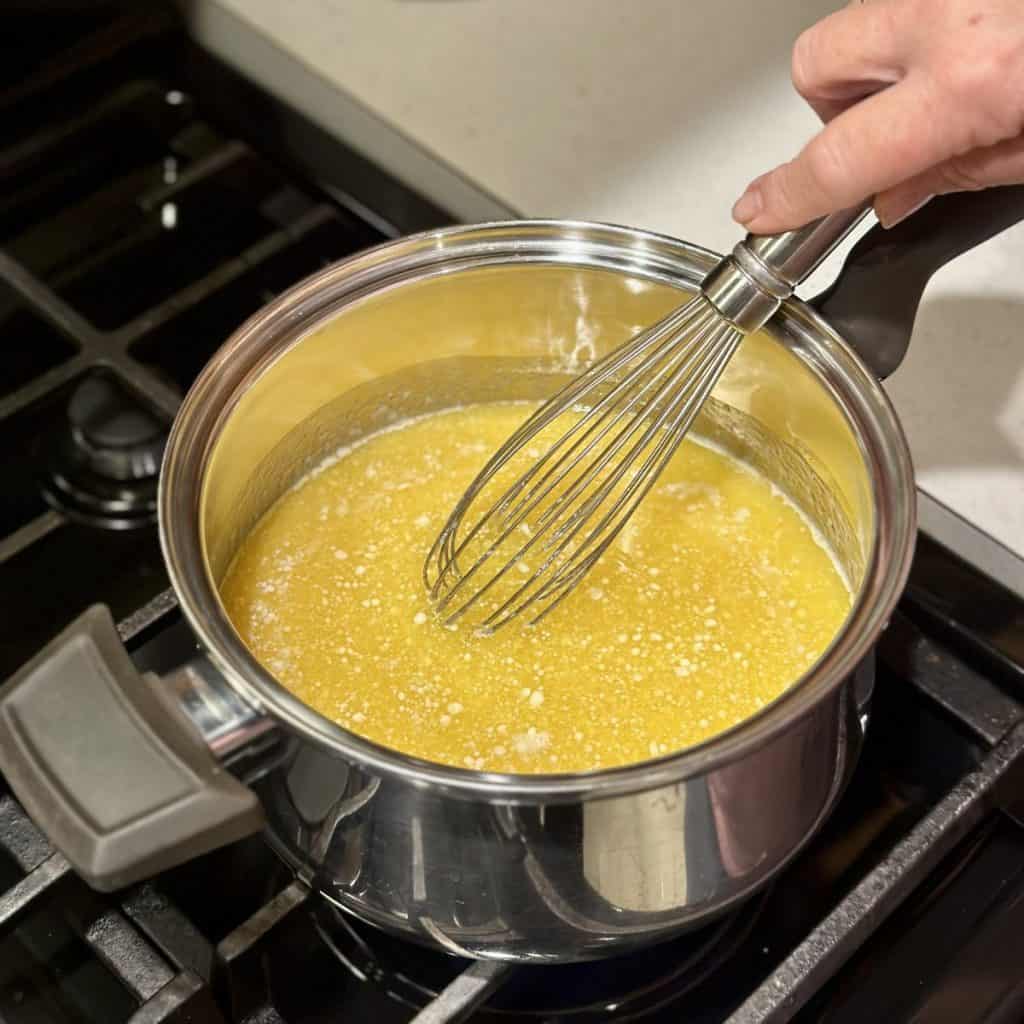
(104, 464)
(629, 987)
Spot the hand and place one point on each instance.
(919, 98)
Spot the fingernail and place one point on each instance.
(749, 205)
(890, 220)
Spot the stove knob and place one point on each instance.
(112, 434)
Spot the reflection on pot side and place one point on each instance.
(714, 599)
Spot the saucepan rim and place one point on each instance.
(304, 308)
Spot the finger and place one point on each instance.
(1002, 164)
(851, 54)
(882, 141)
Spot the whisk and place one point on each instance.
(595, 449)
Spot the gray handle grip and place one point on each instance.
(108, 766)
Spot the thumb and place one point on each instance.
(1002, 164)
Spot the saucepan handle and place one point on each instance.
(108, 763)
(874, 300)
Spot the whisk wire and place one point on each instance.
(614, 519)
(449, 552)
(661, 338)
(689, 365)
(601, 465)
(657, 377)
(445, 552)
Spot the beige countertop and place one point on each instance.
(652, 113)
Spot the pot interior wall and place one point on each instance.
(515, 332)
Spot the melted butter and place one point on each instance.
(714, 600)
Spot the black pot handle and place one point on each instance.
(873, 302)
(107, 763)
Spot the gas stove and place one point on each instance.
(151, 200)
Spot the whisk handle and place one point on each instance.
(794, 255)
(873, 302)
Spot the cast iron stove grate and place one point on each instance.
(138, 228)
(139, 224)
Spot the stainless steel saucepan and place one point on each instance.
(131, 774)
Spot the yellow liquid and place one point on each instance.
(714, 599)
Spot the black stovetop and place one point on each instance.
(150, 200)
